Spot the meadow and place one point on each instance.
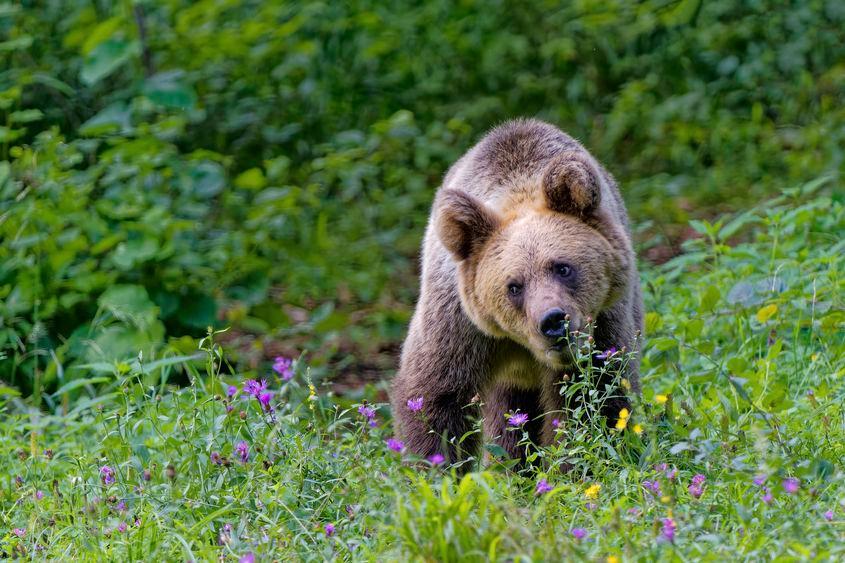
(209, 221)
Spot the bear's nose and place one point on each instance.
(553, 323)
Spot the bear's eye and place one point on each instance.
(514, 289)
(563, 270)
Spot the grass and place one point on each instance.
(743, 371)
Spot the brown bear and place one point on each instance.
(528, 242)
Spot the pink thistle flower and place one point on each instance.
(828, 515)
(242, 449)
(253, 387)
(696, 487)
(107, 475)
(284, 367)
(247, 558)
(579, 533)
(606, 354)
(397, 446)
(543, 487)
(121, 527)
(791, 485)
(20, 532)
(415, 405)
(652, 487)
(329, 528)
(216, 459)
(436, 459)
(667, 532)
(517, 419)
(264, 398)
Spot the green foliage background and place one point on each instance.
(169, 165)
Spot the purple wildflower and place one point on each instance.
(39, 495)
(242, 449)
(415, 405)
(671, 473)
(216, 459)
(759, 480)
(229, 408)
(436, 459)
(591, 506)
(652, 487)
(120, 506)
(247, 558)
(264, 398)
(396, 445)
(107, 475)
(606, 354)
(231, 391)
(284, 367)
(579, 533)
(555, 423)
(791, 484)
(543, 487)
(329, 528)
(20, 532)
(518, 419)
(253, 387)
(121, 527)
(667, 532)
(696, 487)
(828, 515)
(767, 496)
(368, 411)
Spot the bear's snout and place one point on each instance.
(553, 324)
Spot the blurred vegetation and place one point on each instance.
(168, 165)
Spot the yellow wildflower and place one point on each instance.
(593, 490)
(660, 399)
(626, 384)
(622, 422)
(612, 559)
(638, 429)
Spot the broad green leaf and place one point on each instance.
(106, 58)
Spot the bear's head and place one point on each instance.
(539, 268)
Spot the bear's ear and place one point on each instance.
(571, 184)
(464, 223)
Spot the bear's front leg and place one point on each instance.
(442, 368)
(504, 399)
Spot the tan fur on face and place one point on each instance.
(525, 250)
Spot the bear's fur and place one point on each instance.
(526, 227)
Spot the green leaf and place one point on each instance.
(17, 44)
(129, 303)
(168, 89)
(113, 118)
(106, 58)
